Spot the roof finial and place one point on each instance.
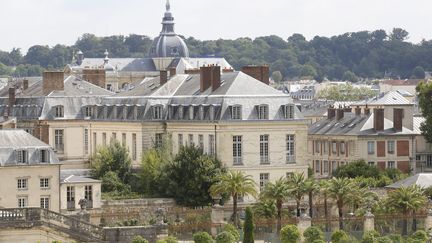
(168, 6)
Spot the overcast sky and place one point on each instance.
(24, 23)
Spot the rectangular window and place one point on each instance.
(326, 167)
(59, 140)
(22, 156)
(325, 147)
(334, 165)
(236, 112)
(104, 139)
(44, 156)
(334, 147)
(391, 147)
(201, 141)
(124, 139)
(391, 164)
(94, 141)
(45, 202)
(191, 138)
(264, 149)
(134, 146)
(22, 202)
(317, 167)
(157, 112)
(289, 112)
(180, 141)
(237, 150)
(211, 149)
(262, 112)
(88, 111)
(86, 141)
(44, 183)
(429, 160)
(113, 137)
(317, 146)
(290, 148)
(88, 193)
(371, 163)
(59, 111)
(371, 147)
(22, 184)
(342, 148)
(264, 179)
(158, 140)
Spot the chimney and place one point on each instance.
(397, 119)
(227, 70)
(347, 109)
(11, 100)
(173, 71)
(340, 113)
(379, 119)
(216, 77)
(192, 71)
(331, 113)
(366, 111)
(357, 111)
(258, 72)
(25, 84)
(163, 77)
(95, 76)
(205, 78)
(52, 81)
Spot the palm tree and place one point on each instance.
(406, 200)
(277, 192)
(297, 189)
(234, 183)
(311, 187)
(340, 190)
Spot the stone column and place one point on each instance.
(304, 222)
(428, 221)
(369, 222)
(217, 218)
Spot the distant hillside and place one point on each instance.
(348, 56)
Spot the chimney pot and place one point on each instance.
(398, 119)
(163, 77)
(379, 119)
(331, 113)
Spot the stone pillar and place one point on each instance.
(217, 218)
(428, 221)
(304, 222)
(369, 222)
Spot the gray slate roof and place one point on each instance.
(389, 98)
(422, 179)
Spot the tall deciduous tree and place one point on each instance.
(424, 93)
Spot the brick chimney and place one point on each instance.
(347, 109)
(25, 84)
(227, 70)
(331, 113)
(193, 71)
(216, 77)
(95, 76)
(11, 101)
(357, 111)
(173, 71)
(340, 113)
(397, 119)
(379, 119)
(262, 73)
(163, 77)
(53, 80)
(205, 78)
(366, 110)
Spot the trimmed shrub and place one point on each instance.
(290, 234)
(312, 234)
(202, 237)
(383, 239)
(419, 236)
(370, 236)
(169, 239)
(248, 236)
(396, 238)
(225, 237)
(232, 230)
(339, 236)
(139, 239)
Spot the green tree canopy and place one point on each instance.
(112, 158)
(424, 93)
(355, 169)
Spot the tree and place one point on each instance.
(234, 183)
(112, 183)
(232, 230)
(418, 73)
(358, 168)
(296, 183)
(406, 200)
(290, 234)
(399, 34)
(340, 190)
(139, 239)
(190, 176)
(249, 227)
(313, 234)
(225, 237)
(277, 76)
(311, 187)
(202, 237)
(114, 158)
(277, 192)
(339, 236)
(424, 92)
(350, 76)
(370, 236)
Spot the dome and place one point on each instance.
(168, 43)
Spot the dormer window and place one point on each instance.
(262, 112)
(288, 111)
(43, 156)
(88, 111)
(157, 112)
(180, 112)
(59, 111)
(236, 112)
(22, 156)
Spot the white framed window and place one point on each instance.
(45, 202)
(236, 112)
(317, 146)
(94, 142)
(88, 111)
(21, 156)
(264, 149)
(88, 193)
(44, 183)
(191, 140)
(391, 164)
(201, 141)
(134, 146)
(290, 148)
(371, 163)
(342, 147)
(180, 140)
(317, 167)
(325, 147)
(263, 112)
(86, 141)
(429, 160)
(104, 139)
(288, 111)
(158, 140)
(59, 111)
(113, 137)
(157, 112)
(59, 140)
(237, 150)
(211, 148)
(371, 147)
(22, 184)
(22, 202)
(334, 147)
(334, 165)
(390, 147)
(264, 179)
(124, 139)
(325, 167)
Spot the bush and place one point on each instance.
(232, 230)
(139, 239)
(396, 238)
(419, 236)
(370, 236)
(357, 168)
(225, 237)
(312, 234)
(318, 241)
(202, 237)
(339, 236)
(112, 183)
(290, 234)
(248, 227)
(169, 239)
(383, 239)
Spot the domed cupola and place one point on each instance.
(168, 43)
(107, 66)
